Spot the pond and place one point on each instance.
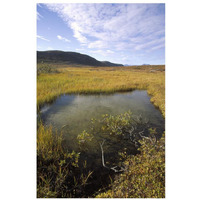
(72, 114)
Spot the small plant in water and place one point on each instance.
(58, 172)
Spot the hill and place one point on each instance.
(111, 64)
(70, 58)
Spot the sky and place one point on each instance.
(131, 34)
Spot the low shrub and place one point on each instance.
(144, 176)
(45, 69)
(58, 172)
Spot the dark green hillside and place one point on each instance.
(70, 58)
(111, 64)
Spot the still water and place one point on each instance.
(72, 114)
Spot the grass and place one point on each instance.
(58, 172)
(145, 176)
(45, 68)
(102, 80)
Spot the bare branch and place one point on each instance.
(140, 133)
(120, 169)
(102, 153)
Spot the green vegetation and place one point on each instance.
(58, 171)
(102, 80)
(70, 58)
(144, 176)
(144, 173)
(112, 129)
(46, 69)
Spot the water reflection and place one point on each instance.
(72, 113)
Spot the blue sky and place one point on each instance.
(121, 33)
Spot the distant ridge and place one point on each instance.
(107, 63)
(70, 58)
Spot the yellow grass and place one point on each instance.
(101, 79)
(112, 79)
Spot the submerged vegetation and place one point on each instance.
(60, 173)
(144, 176)
(144, 172)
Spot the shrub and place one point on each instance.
(58, 172)
(144, 176)
(144, 173)
(45, 69)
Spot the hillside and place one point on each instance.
(70, 58)
(106, 63)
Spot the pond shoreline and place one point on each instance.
(39, 107)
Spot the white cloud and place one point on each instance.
(124, 58)
(80, 49)
(39, 4)
(63, 38)
(158, 47)
(39, 16)
(79, 36)
(109, 51)
(50, 48)
(114, 26)
(98, 44)
(42, 38)
(102, 52)
(159, 41)
(99, 51)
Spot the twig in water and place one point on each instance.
(103, 160)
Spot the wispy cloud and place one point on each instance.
(124, 58)
(158, 47)
(80, 49)
(102, 52)
(153, 43)
(39, 16)
(115, 26)
(50, 48)
(39, 4)
(42, 38)
(109, 51)
(98, 44)
(63, 38)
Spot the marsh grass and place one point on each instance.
(46, 68)
(58, 171)
(102, 80)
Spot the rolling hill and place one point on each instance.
(70, 58)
